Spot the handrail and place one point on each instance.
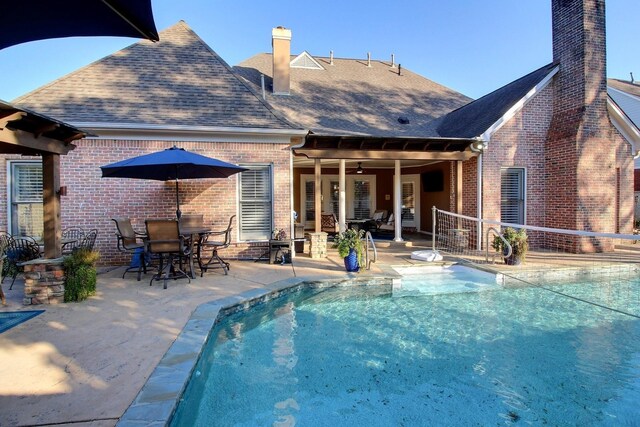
(369, 238)
(504, 242)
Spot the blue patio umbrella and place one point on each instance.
(171, 164)
(29, 20)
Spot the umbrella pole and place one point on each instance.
(178, 213)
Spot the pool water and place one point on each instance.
(358, 356)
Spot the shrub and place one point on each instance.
(80, 275)
(518, 240)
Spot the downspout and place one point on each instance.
(478, 147)
(292, 146)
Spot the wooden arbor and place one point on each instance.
(28, 133)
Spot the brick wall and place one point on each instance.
(92, 201)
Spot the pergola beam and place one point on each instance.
(383, 154)
(29, 141)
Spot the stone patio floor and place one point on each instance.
(82, 364)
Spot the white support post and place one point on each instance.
(397, 202)
(317, 196)
(342, 213)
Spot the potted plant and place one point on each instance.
(519, 242)
(351, 247)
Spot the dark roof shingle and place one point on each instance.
(176, 81)
(475, 118)
(350, 98)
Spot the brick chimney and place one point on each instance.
(580, 162)
(281, 43)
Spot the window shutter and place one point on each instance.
(512, 195)
(255, 203)
(362, 200)
(26, 199)
(408, 202)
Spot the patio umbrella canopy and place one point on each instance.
(29, 20)
(171, 164)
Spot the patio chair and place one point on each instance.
(329, 223)
(213, 242)
(388, 226)
(74, 236)
(165, 241)
(89, 240)
(19, 250)
(4, 242)
(131, 241)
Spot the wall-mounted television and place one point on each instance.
(432, 181)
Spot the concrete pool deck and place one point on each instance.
(82, 364)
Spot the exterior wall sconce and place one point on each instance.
(62, 191)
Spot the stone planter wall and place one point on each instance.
(43, 282)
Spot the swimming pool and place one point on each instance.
(359, 356)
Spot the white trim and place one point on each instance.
(306, 54)
(518, 106)
(128, 131)
(625, 126)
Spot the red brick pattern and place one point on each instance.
(92, 201)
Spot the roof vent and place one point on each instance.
(330, 57)
(368, 59)
(403, 120)
(393, 61)
(632, 78)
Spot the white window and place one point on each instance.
(25, 199)
(512, 195)
(361, 199)
(256, 203)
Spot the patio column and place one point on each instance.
(458, 186)
(317, 196)
(51, 201)
(397, 202)
(342, 214)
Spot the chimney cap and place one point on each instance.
(281, 33)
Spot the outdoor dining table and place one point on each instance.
(193, 233)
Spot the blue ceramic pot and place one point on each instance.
(351, 261)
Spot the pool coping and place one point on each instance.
(158, 399)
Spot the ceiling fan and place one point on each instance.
(358, 170)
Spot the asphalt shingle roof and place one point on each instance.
(176, 81)
(627, 96)
(475, 118)
(350, 98)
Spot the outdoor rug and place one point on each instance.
(12, 318)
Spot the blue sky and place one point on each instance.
(471, 46)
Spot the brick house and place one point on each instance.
(549, 149)
(348, 136)
(144, 98)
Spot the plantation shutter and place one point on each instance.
(26, 199)
(512, 195)
(310, 200)
(408, 202)
(362, 199)
(256, 206)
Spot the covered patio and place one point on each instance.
(323, 157)
(27, 133)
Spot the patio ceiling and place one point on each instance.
(384, 148)
(28, 133)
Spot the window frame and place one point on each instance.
(522, 190)
(270, 201)
(11, 182)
